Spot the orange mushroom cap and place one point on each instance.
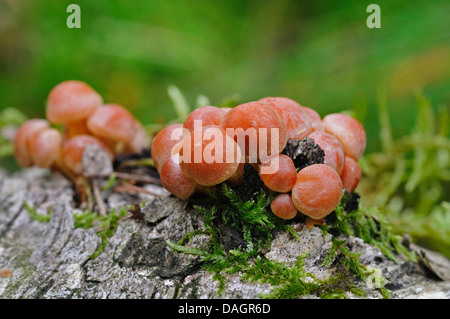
(351, 174)
(175, 181)
(45, 147)
(209, 156)
(280, 175)
(334, 151)
(112, 122)
(71, 101)
(140, 140)
(247, 123)
(283, 206)
(316, 121)
(163, 143)
(349, 131)
(317, 191)
(23, 140)
(208, 115)
(73, 149)
(296, 118)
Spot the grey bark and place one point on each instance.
(51, 260)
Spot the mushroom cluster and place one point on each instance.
(213, 144)
(85, 120)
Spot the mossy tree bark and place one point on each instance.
(53, 259)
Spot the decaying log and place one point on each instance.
(52, 260)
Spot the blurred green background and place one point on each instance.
(319, 53)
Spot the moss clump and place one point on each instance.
(409, 177)
(254, 222)
(353, 219)
(250, 218)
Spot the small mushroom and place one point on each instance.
(257, 128)
(333, 149)
(73, 149)
(278, 173)
(45, 147)
(175, 181)
(115, 125)
(316, 121)
(349, 131)
(140, 140)
(283, 206)
(351, 174)
(164, 142)
(23, 140)
(208, 115)
(317, 191)
(70, 103)
(209, 156)
(293, 114)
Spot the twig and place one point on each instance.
(98, 199)
(130, 176)
(138, 162)
(127, 187)
(138, 178)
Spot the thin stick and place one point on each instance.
(138, 178)
(130, 176)
(99, 199)
(138, 162)
(127, 187)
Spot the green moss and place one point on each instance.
(368, 224)
(255, 223)
(408, 178)
(35, 215)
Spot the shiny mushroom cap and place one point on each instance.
(71, 101)
(112, 122)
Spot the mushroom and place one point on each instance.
(70, 103)
(23, 140)
(209, 156)
(333, 149)
(316, 121)
(115, 125)
(293, 114)
(317, 191)
(164, 142)
(208, 115)
(349, 131)
(351, 174)
(45, 147)
(140, 140)
(257, 128)
(283, 207)
(175, 181)
(278, 173)
(73, 149)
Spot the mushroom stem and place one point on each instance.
(58, 165)
(310, 222)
